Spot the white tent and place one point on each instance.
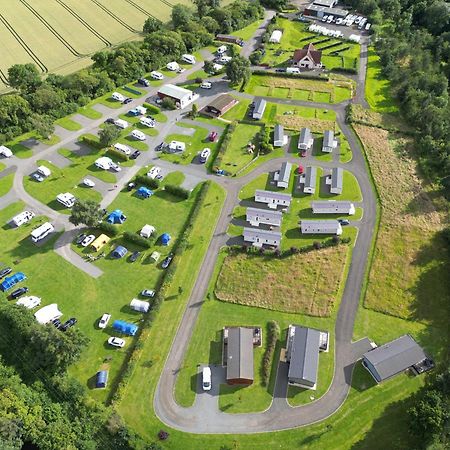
(147, 231)
(140, 305)
(48, 313)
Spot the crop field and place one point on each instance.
(72, 29)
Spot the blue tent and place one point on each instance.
(9, 282)
(119, 252)
(116, 216)
(144, 192)
(125, 328)
(165, 239)
(102, 379)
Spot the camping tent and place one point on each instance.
(9, 282)
(116, 216)
(139, 305)
(155, 256)
(119, 252)
(147, 231)
(101, 379)
(144, 192)
(47, 314)
(165, 239)
(125, 328)
(100, 242)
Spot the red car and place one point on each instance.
(213, 136)
(303, 153)
(300, 169)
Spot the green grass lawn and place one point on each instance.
(248, 31)
(68, 124)
(345, 152)
(377, 87)
(317, 150)
(6, 184)
(89, 112)
(239, 111)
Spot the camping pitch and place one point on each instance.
(116, 217)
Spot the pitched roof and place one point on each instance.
(250, 233)
(394, 357)
(272, 194)
(337, 175)
(305, 136)
(310, 177)
(278, 132)
(310, 51)
(222, 102)
(240, 353)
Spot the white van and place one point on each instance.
(67, 199)
(157, 75)
(122, 148)
(118, 96)
(41, 232)
(293, 70)
(121, 123)
(139, 135)
(206, 379)
(222, 49)
(22, 218)
(190, 59)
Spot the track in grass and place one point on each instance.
(116, 18)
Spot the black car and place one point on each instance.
(5, 271)
(68, 323)
(134, 256)
(19, 292)
(344, 221)
(56, 323)
(167, 260)
(135, 154)
(159, 147)
(127, 100)
(143, 82)
(109, 120)
(280, 69)
(80, 238)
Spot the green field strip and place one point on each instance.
(115, 17)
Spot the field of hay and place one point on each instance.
(60, 35)
(306, 283)
(408, 276)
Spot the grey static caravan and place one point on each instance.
(255, 216)
(273, 199)
(333, 207)
(320, 227)
(260, 237)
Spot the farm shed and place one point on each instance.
(147, 231)
(333, 207)
(101, 379)
(139, 305)
(119, 252)
(239, 355)
(275, 37)
(47, 314)
(306, 139)
(100, 242)
(393, 358)
(283, 176)
(320, 227)
(308, 179)
(165, 238)
(11, 281)
(259, 237)
(144, 192)
(123, 327)
(181, 96)
(221, 104)
(272, 199)
(116, 217)
(255, 216)
(260, 107)
(279, 138)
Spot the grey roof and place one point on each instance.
(333, 11)
(264, 213)
(261, 234)
(395, 356)
(305, 136)
(260, 106)
(171, 90)
(304, 360)
(310, 226)
(328, 138)
(337, 175)
(271, 194)
(285, 173)
(327, 3)
(311, 177)
(331, 205)
(240, 353)
(278, 133)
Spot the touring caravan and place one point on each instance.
(41, 232)
(122, 148)
(66, 199)
(22, 218)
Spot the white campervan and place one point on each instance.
(190, 59)
(117, 96)
(41, 232)
(22, 218)
(206, 378)
(122, 149)
(139, 135)
(121, 123)
(66, 199)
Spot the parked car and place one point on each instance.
(116, 342)
(5, 271)
(88, 240)
(344, 221)
(134, 256)
(143, 82)
(206, 85)
(206, 378)
(167, 260)
(18, 292)
(37, 177)
(148, 293)
(280, 69)
(135, 154)
(109, 120)
(300, 169)
(160, 147)
(80, 238)
(303, 153)
(68, 323)
(213, 136)
(131, 186)
(56, 323)
(127, 100)
(104, 320)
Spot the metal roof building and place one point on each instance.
(179, 94)
(260, 107)
(240, 355)
(305, 140)
(326, 3)
(256, 216)
(302, 353)
(336, 180)
(320, 11)
(308, 179)
(333, 207)
(272, 199)
(328, 141)
(284, 175)
(221, 104)
(260, 237)
(320, 227)
(394, 357)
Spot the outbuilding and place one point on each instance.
(139, 305)
(181, 96)
(320, 227)
(326, 3)
(130, 329)
(100, 242)
(101, 379)
(275, 37)
(259, 108)
(320, 11)
(239, 355)
(333, 207)
(119, 252)
(279, 138)
(147, 231)
(220, 105)
(309, 179)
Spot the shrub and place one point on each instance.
(151, 109)
(272, 337)
(168, 103)
(317, 245)
(108, 228)
(136, 239)
(113, 153)
(177, 191)
(147, 181)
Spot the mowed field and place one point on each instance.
(60, 35)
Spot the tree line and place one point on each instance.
(413, 42)
(36, 103)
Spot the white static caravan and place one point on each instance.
(273, 199)
(41, 232)
(320, 227)
(22, 218)
(333, 207)
(329, 142)
(306, 139)
(139, 305)
(279, 138)
(139, 135)
(335, 180)
(122, 149)
(308, 179)
(256, 216)
(118, 96)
